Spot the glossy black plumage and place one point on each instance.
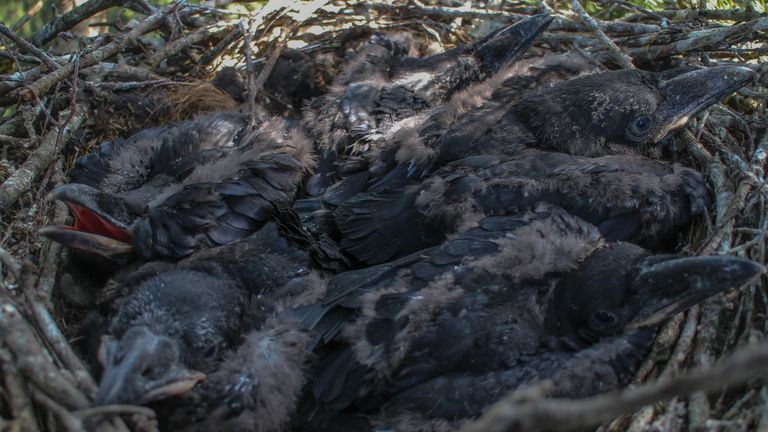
(177, 323)
(168, 192)
(443, 333)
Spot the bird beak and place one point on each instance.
(508, 44)
(142, 367)
(673, 285)
(101, 225)
(687, 94)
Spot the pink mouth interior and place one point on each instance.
(90, 222)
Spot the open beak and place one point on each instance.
(671, 286)
(142, 367)
(688, 94)
(508, 44)
(101, 221)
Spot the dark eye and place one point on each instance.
(639, 129)
(603, 322)
(642, 123)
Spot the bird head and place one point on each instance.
(102, 221)
(622, 288)
(167, 335)
(624, 112)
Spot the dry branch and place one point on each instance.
(71, 19)
(33, 361)
(119, 44)
(619, 57)
(24, 178)
(28, 47)
(511, 414)
(186, 41)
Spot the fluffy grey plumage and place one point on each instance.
(178, 324)
(380, 87)
(184, 190)
(445, 332)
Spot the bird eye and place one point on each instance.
(642, 123)
(603, 322)
(638, 130)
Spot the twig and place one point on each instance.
(68, 421)
(128, 86)
(116, 409)
(245, 29)
(701, 39)
(119, 44)
(28, 47)
(692, 15)
(71, 19)
(567, 414)
(10, 263)
(210, 55)
(32, 360)
(186, 41)
(619, 57)
(24, 177)
(17, 396)
(305, 12)
(123, 72)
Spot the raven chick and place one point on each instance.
(447, 331)
(178, 325)
(444, 332)
(380, 87)
(181, 194)
(629, 198)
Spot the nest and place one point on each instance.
(704, 369)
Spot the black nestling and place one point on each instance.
(292, 81)
(381, 87)
(629, 198)
(438, 336)
(497, 132)
(624, 112)
(178, 324)
(616, 112)
(165, 193)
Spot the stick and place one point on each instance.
(619, 57)
(181, 43)
(569, 414)
(119, 44)
(24, 177)
(245, 29)
(71, 19)
(28, 47)
(33, 361)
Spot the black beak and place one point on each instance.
(667, 287)
(508, 44)
(688, 94)
(102, 222)
(142, 367)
